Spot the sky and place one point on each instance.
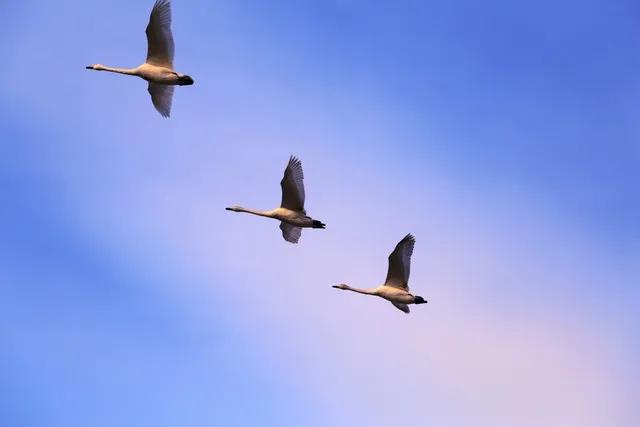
(502, 134)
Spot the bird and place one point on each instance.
(291, 214)
(158, 67)
(396, 287)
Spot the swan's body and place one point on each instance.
(291, 214)
(158, 68)
(396, 287)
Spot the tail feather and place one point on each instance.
(318, 224)
(419, 300)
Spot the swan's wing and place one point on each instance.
(292, 186)
(402, 307)
(161, 96)
(291, 233)
(159, 38)
(400, 263)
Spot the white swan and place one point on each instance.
(293, 218)
(396, 287)
(158, 68)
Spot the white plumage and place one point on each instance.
(291, 212)
(158, 67)
(396, 287)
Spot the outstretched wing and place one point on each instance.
(161, 96)
(292, 186)
(291, 233)
(160, 46)
(402, 307)
(400, 264)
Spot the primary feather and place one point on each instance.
(160, 47)
(293, 186)
(400, 264)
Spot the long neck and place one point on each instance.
(128, 71)
(268, 214)
(361, 291)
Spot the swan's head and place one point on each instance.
(184, 80)
(234, 209)
(341, 286)
(97, 67)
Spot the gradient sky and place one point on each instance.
(503, 134)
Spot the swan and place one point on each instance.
(291, 214)
(158, 68)
(396, 287)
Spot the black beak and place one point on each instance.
(228, 209)
(336, 286)
(89, 67)
(185, 81)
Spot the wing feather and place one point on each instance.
(161, 96)
(160, 47)
(293, 186)
(290, 233)
(400, 263)
(401, 307)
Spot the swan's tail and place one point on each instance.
(318, 224)
(419, 300)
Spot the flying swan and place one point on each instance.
(291, 214)
(396, 287)
(158, 68)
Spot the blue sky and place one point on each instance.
(502, 134)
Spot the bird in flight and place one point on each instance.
(158, 68)
(396, 288)
(291, 214)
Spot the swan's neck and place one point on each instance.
(267, 214)
(128, 71)
(362, 291)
